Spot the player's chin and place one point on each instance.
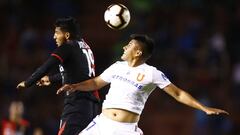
(57, 43)
(123, 58)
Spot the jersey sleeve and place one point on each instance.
(160, 79)
(55, 78)
(107, 74)
(41, 71)
(62, 53)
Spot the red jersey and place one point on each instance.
(12, 128)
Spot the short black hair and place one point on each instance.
(68, 24)
(147, 44)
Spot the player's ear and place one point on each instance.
(139, 53)
(67, 35)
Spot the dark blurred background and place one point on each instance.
(198, 46)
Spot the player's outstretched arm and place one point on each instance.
(88, 85)
(185, 98)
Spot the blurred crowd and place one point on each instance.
(197, 47)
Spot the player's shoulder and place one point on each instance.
(67, 45)
(118, 64)
(77, 43)
(83, 44)
(123, 63)
(150, 67)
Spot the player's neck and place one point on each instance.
(135, 63)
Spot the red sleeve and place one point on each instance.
(58, 57)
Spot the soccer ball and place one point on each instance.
(117, 16)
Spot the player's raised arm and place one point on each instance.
(88, 85)
(185, 98)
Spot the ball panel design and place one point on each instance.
(117, 16)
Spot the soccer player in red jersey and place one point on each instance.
(76, 63)
(15, 124)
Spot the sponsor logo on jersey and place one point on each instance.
(118, 77)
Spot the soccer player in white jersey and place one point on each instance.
(132, 81)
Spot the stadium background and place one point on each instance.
(198, 45)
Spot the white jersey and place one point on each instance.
(131, 86)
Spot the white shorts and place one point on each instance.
(102, 125)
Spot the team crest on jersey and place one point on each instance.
(140, 77)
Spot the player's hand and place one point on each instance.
(21, 85)
(44, 81)
(215, 111)
(67, 87)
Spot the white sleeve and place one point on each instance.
(160, 79)
(107, 74)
